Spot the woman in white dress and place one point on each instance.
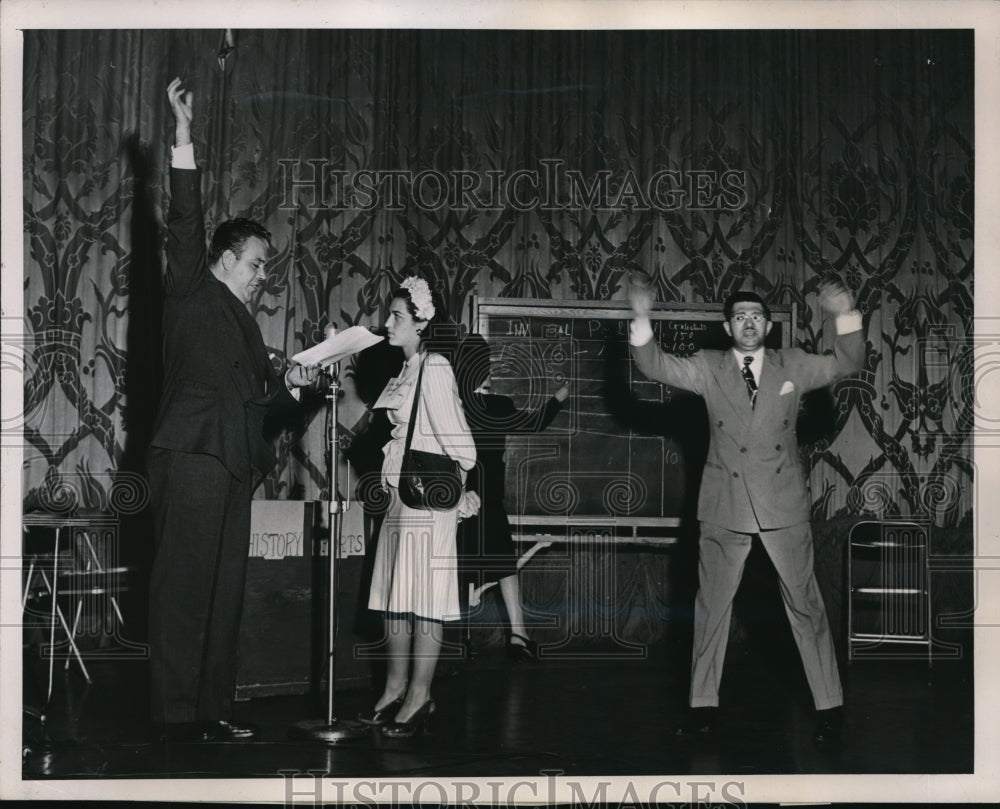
(415, 579)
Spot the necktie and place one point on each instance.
(749, 379)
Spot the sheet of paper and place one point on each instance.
(337, 346)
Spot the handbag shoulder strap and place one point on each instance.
(413, 410)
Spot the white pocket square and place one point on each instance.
(787, 387)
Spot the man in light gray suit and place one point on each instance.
(754, 485)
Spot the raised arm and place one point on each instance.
(650, 359)
(186, 253)
(849, 349)
(182, 106)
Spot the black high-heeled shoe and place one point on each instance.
(524, 652)
(416, 723)
(379, 716)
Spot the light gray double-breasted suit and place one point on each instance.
(753, 483)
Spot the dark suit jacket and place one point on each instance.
(753, 476)
(218, 381)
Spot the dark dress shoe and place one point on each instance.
(829, 724)
(412, 726)
(380, 716)
(698, 723)
(523, 651)
(223, 729)
(184, 732)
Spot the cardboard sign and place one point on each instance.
(277, 528)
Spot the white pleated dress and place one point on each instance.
(415, 570)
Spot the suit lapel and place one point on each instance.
(733, 386)
(768, 385)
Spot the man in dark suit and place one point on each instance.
(207, 454)
(753, 484)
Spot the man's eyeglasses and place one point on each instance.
(757, 318)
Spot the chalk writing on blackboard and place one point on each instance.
(623, 447)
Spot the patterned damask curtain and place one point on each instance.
(855, 151)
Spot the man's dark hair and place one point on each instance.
(744, 296)
(233, 235)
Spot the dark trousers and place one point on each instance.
(202, 533)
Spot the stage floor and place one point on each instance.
(590, 715)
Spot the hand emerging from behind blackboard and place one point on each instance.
(640, 296)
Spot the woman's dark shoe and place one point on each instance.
(404, 730)
(524, 651)
(222, 729)
(379, 716)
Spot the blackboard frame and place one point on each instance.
(782, 313)
(596, 528)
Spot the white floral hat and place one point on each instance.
(420, 294)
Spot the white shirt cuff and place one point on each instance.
(848, 322)
(182, 157)
(640, 331)
(295, 391)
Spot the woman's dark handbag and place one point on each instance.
(427, 480)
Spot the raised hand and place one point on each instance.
(182, 106)
(640, 296)
(835, 298)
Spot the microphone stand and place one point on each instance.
(331, 730)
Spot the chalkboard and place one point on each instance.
(626, 453)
